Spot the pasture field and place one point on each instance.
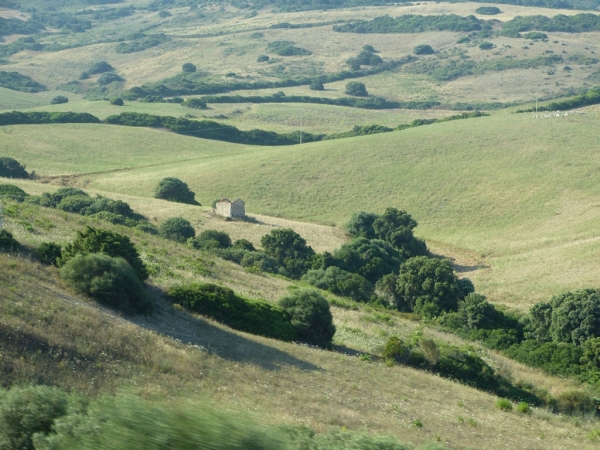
(183, 357)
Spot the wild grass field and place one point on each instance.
(510, 199)
(186, 358)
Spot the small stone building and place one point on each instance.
(227, 208)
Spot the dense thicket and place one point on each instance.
(31, 118)
(410, 23)
(176, 229)
(578, 23)
(222, 304)
(16, 26)
(62, 20)
(286, 48)
(591, 97)
(289, 249)
(12, 192)
(18, 82)
(175, 190)
(141, 42)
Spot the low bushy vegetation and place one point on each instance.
(289, 249)
(59, 99)
(12, 192)
(176, 229)
(194, 103)
(175, 190)
(310, 316)
(11, 168)
(356, 88)
(77, 201)
(10, 26)
(49, 253)
(578, 23)
(18, 82)
(488, 10)
(410, 23)
(109, 280)
(591, 97)
(222, 304)
(286, 48)
(423, 49)
(94, 240)
(8, 244)
(35, 117)
(141, 42)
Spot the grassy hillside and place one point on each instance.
(519, 203)
(186, 358)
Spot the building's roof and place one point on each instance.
(225, 200)
(239, 200)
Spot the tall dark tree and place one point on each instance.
(175, 190)
(289, 249)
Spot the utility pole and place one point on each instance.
(301, 117)
(1, 214)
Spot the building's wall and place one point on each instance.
(224, 209)
(238, 209)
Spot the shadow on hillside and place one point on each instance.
(219, 341)
(459, 267)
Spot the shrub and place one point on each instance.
(535, 35)
(504, 405)
(488, 10)
(188, 68)
(356, 88)
(12, 192)
(110, 281)
(486, 45)
(51, 200)
(8, 244)
(163, 14)
(100, 67)
(75, 204)
(146, 227)
(194, 103)
(289, 249)
(220, 303)
(262, 58)
(29, 410)
(244, 244)
(94, 240)
(260, 262)
(395, 226)
(117, 101)
(177, 229)
(49, 253)
(286, 48)
(311, 316)
(423, 49)
(395, 350)
(175, 190)
(59, 99)
(361, 225)
(11, 168)
(574, 402)
(316, 85)
(523, 408)
(211, 239)
(428, 285)
(109, 77)
(340, 282)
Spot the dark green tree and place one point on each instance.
(316, 85)
(8, 243)
(176, 229)
(175, 190)
(111, 281)
(211, 239)
(371, 259)
(117, 101)
(361, 225)
(59, 99)
(289, 249)
(49, 253)
(94, 240)
(311, 316)
(395, 226)
(423, 49)
(340, 282)
(428, 285)
(575, 316)
(357, 89)
(11, 168)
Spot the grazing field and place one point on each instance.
(188, 358)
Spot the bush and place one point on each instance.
(523, 408)
(262, 58)
(11, 168)
(93, 240)
(361, 225)
(8, 244)
(177, 229)
(188, 68)
(195, 103)
(29, 410)
(395, 350)
(244, 244)
(59, 99)
(109, 77)
(356, 88)
(311, 316)
(175, 190)
(340, 282)
(260, 262)
(286, 48)
(75, 204)
(212, 239)
(220, 303)
(316, 85)
(117, 101)
(486, 46)
(289, 249)
(100, 67)
(428, 285)
(12, 192)
(49, 253)
(488, 10)
(504, 405)
(110, 281)
(423, 49)
(574, 402)
(535, 35)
